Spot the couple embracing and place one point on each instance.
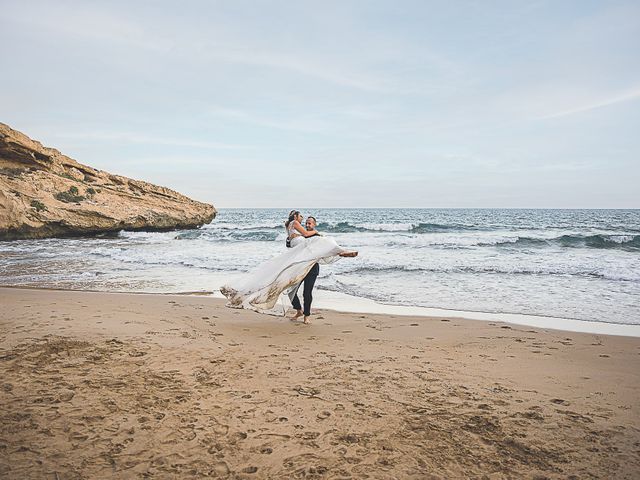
(261, 289)
(295, 231)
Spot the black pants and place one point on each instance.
(309, 281)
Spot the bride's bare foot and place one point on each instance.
(296, 316)
(349, 254)
(306, 321)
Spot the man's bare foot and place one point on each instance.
(296, 316)
(306, 321)
(348, 254)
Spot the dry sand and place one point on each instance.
(101, 385)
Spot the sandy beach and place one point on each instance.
(99, 385)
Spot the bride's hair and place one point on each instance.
(292, 216)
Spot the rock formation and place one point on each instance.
(44, 193)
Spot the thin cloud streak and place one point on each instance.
(251, 118)
(311, 68)
(625, 97)
(148, 140)
(85, 23)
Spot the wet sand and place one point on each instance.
(99, 385)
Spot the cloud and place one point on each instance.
(107, 27)
(82, 21)
(310, 67)
(256, 119)
(348, 90)
(628, 96)
(124, 137)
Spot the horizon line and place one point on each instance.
(434, 208)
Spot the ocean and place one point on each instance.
(573, 264)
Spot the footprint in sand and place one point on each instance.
(349, 438)
(237, 437)
(221, 468)
(220, 429)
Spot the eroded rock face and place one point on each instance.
(44, 193)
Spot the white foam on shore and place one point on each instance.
(346, 303)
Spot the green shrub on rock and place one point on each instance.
(70, 196)
(39, 206)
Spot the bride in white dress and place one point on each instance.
(260, 290)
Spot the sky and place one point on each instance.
(296, 104)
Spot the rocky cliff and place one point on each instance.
(44, 193)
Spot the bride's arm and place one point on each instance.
(302, 231)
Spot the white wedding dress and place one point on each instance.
(261, 289)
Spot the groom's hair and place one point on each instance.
(312, 218)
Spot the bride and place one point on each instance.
(260, 290)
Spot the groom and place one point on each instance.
(309, 281)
